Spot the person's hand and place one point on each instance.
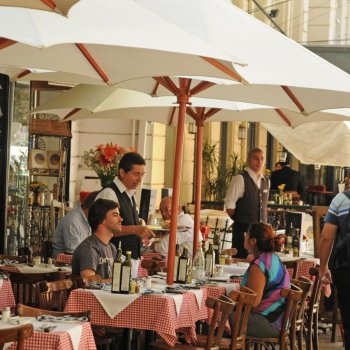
(325, 276)
(144, 232)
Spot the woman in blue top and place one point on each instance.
(266, 276)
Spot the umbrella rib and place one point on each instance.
(191, 112)
(4, 43)
(223, 68)
(23, 74)
(283, 116)
(49, 4)
(73, 111)
(288, 91)
(167, 83)
(92, 61)
(172, 116)
(203, 85)
(211, 112)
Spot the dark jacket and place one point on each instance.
(287, 176)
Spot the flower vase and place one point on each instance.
(106, 181)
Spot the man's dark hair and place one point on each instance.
(98, 212)
(89, 200)
(129, 159)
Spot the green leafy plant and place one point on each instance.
(217, 175)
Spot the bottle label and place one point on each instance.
(176, 266)
(125, 280)
(182, 270)
(116, 277)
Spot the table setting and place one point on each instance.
(63, 333)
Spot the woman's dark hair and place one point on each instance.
(89, 200)
(129, 159)
(99, 210)
(266, 240)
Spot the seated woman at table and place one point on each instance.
(95, 255)
(266, 275)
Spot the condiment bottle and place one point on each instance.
(6, 314)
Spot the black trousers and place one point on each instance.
(239, 228)
(341, 278)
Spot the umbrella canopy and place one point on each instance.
(109, 42)
(90, 101)
(59, 6)
(304, 142)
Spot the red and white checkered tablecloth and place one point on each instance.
(6, 294)
(58, 340)
(149, 312)
(64, 258)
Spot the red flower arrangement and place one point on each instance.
(104, 160)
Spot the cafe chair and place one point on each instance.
(221, 311)
(23, 285)
(293, 297)
(153, 266)
(297, 329)
(53, 295)
(311, 311)
(293, 267)
(18, 334)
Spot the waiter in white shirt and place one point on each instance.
(246, 199)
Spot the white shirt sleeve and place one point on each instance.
(235, 191)
(107, 193)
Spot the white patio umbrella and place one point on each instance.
(324, 142)
(89, 101)
(289, 66)
(59, 6)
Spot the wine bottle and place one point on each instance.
(296, 242)
(183, 266)
(198, 268)
(176, 262)
(209, 261)
(117, 267)
(216, 245)
(125, 274)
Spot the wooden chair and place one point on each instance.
(55, 291)
(297, 328)
(220, 308)
(20, 258)
(293, 267)
(311, 311)
(292, 299)
(23, 285)
(153, 266)
(18, 334)
(28, 311)
(79, 282)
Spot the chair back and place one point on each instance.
(28, 311)
(222, 309)
(18, 334)
(305, 285)
(293, 267)
(23, 285)
(20, 258)
(244, 300)
(153, 266)
(53, 294)
(316, 290)
(293, 297)
(80, 282)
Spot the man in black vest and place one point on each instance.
(122, 190)
(246, 199)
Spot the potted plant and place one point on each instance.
(217, 175)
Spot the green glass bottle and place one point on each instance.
(183, 266)
(117, 267)
(126, 274)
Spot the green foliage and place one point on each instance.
(217, 177)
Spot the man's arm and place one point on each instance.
(234, 192)
(138, 230)
(328, 235)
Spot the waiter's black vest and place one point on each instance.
(252, 207)
(130, 217)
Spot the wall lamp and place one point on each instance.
(192, 129)
(242, 132)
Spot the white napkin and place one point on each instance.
(74, 330)
(178, 298)
(1, 282)
(229, 287)
(199, 296)
(113, 303)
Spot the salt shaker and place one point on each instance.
(148, 283)
(6, 314)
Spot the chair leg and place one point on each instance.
(315, 331)
(300, 339)
(308, 333)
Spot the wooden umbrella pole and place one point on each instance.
(183, 100)
(198, 183)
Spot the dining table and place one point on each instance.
(60, 335)
(164, 313)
